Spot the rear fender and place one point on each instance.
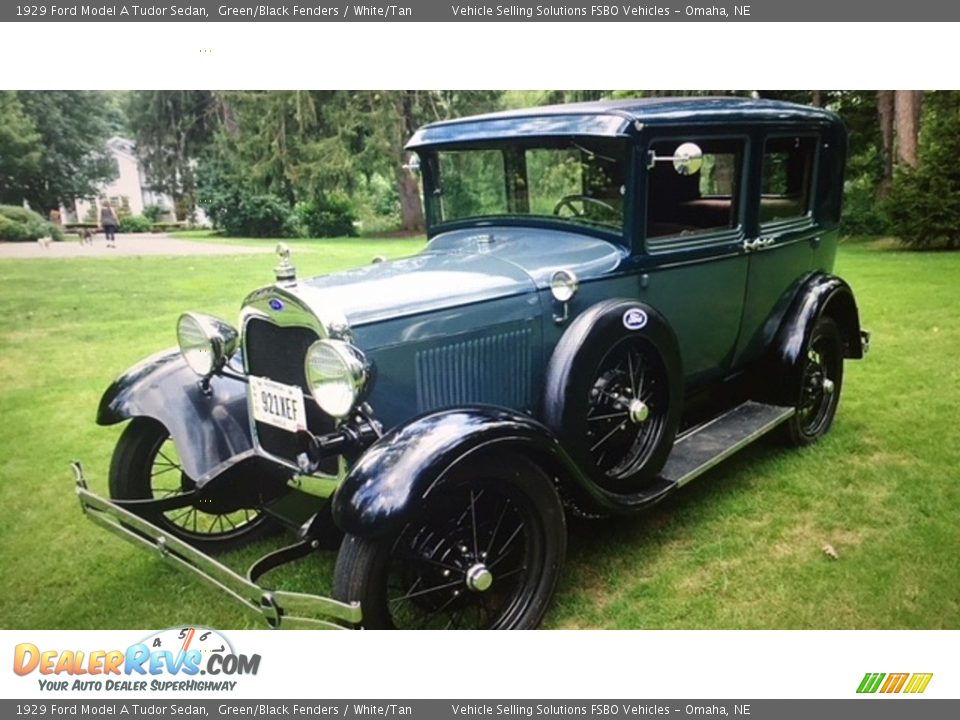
(822, 295)
(210, 429)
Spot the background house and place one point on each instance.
(129, 191)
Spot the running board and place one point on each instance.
(707, 445)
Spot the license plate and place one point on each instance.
(277, 404)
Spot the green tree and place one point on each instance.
(924, 202)
(172, 128)
(19, 148)
(310, 146)
(383, 121)
(73, 130)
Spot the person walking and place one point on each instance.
(108, 221)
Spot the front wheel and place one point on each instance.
(146, 466)
(821, 380)
(483, 550)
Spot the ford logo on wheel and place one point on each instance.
(634, 319)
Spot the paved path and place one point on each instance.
(127, 245)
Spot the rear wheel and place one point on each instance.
(482, 551)
(821, 381)
(146, 465)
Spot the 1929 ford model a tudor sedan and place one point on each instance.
(614, 297)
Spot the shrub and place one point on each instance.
(327, 216)
(22, 225)
(242, 215)
(237, 209)
(135, 224)
(152, 212)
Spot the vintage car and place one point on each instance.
(614, 297)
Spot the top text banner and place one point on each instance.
(472, 11)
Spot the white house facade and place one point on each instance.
(129, 191)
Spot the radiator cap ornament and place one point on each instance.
(285, 272)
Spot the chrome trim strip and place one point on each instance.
(278, 608)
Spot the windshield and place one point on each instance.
(580, 181)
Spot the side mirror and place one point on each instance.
(687, 159)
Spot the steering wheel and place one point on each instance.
(569, 201)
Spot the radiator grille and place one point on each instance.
(278, 353)
(492, 369)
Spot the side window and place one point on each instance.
(708, 200)
(787, 178)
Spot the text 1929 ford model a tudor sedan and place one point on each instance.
(614, 297)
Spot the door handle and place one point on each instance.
(758, 244)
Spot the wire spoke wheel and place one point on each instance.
(482, 550)
(463, 565)
(819, 384)
(167, 479)
(821, 378)
(146, 465)
(626, 408)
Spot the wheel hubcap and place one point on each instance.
(626, 410)
(827, 386)
(479, 578)
(639, 411)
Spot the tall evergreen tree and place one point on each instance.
(172, 128)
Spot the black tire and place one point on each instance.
(821, 379)
(598, 373)
(427, 574)
(145, 466)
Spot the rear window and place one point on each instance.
(787, 178)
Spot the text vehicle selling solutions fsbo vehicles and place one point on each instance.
(614, 297)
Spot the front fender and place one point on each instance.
(210, 430)
(387, 483)
(820, 295)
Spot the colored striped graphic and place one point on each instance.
(894, 682)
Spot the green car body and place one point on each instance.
(602, 284)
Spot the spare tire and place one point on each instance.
(614, 394)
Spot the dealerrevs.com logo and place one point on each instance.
(177, 659)
(889, 683)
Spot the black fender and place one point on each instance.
(656, 328)
(607, 322)
(392, 476)
(820, 295)
(211, 430)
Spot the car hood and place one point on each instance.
(459, 268)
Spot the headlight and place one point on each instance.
(563, 285)
(337, 376)
(206, 342)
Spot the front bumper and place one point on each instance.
(278, 608)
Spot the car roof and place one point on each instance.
(615, 118)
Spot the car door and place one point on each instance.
(693, 233)
(784, 234)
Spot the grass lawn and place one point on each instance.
(740, 548)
